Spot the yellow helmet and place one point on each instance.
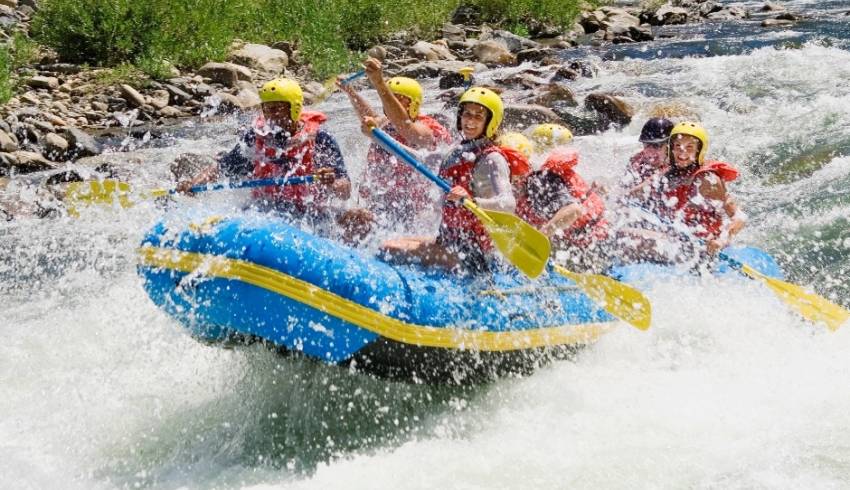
(409, 88)
(284, 90)
(546, 136)
(695, 130)
(491, 101)
(517, 141)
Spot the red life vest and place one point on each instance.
(396, 180)
(458, 223)
(704, 218)
(294, 161)
(590, 226)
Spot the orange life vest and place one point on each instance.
(704, 218)
(458, 223)
(396, 181)
(295, 160)
(590, 226)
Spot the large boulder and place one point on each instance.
(81, 144)
(261, 57)
(55, 146)
(521, 116)
(452, 32)
(8, 142)
(28, 162)
(226, 74)
(554, 94)
(729, 13)
(513, 42)
(430, 52)
(610, 107)
(48, 83)
(493, 53)
(669, 15)
(132, 96)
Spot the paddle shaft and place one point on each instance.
(247, 184)
(392, 146)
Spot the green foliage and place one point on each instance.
(154, 34)
(5, 75)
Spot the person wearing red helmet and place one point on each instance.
(559, 203)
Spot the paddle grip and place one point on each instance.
(388, 143)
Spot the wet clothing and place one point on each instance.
(395, 189)
(555, 186)
(681, 200)
(481, 168)
(269, 152)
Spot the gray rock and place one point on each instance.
(132, 96)
(641, 33)
(554, 94)
(261, 57)
(452, 32)
(788, 16)
(430, 52)
(610, 107)
(81, 144)
(178, 95)
(592, 21)
(8, 143)
(159, 98)
(100, 106)
(772, 7)
(226, 74)
(535, 55)
(493, 53)
(48, 83)
(728, 13)
(250, 97)
(54, 146)
(521, 116)
(171, 112)
(432, 69)
(63, 68)
(43, 126)
(28, 162)
(564, 73)
(510, 40)
(53, 119)
(669, 15)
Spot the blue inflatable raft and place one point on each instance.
(252, 278)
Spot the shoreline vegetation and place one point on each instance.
(330, 36)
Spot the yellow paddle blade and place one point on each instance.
(98, 192)
(811, 306)
(523, 245)
(617, 298)
(104, 192)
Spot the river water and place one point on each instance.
(99, 389)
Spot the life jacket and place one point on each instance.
(296, 160)
(704, 218)
(393, 180)
(590, 226)
(458, 223)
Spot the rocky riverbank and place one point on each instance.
(59, 109)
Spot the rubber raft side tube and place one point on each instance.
(366, 318)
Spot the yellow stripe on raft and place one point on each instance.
(366, 318)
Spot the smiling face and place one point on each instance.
(278, 113)
(684, 149)
(473, 120)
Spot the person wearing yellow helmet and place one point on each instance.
(477, 168)
(285, 141)
(693, 190)
(547, 136)
(518, 142)
(387, 182)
